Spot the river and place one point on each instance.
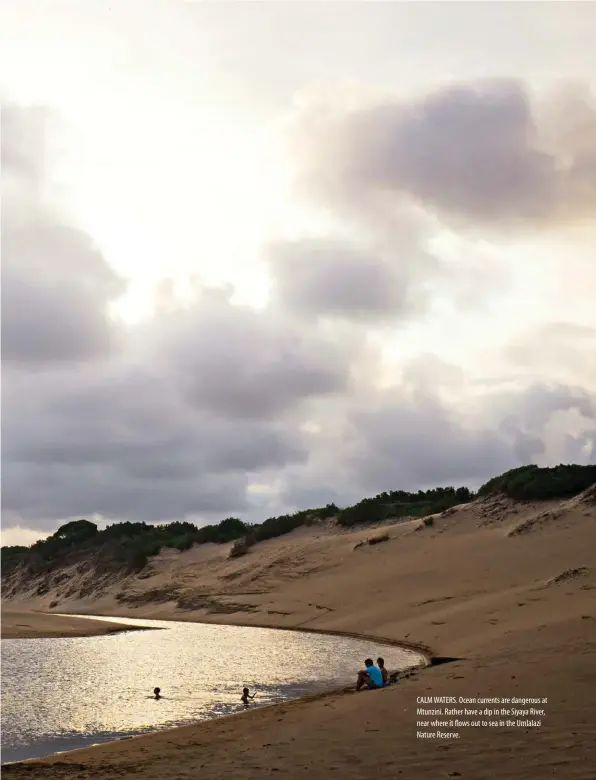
(68, 693)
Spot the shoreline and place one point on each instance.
(424, 652)
(417, 647)
(49, 625)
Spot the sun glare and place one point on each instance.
(172, 193)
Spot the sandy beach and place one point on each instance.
(23, 623)
(506, 589)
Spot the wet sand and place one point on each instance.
(28, 624)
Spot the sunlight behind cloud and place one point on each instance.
(193, 197)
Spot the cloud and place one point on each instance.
(411, 438)
(124, 443)
(56, 286)
(433, 428)
(340, 279)
(564, 351)
(237, 362)
(477, 153)
(23, 142)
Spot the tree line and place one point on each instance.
(128, 546)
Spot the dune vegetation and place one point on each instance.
(127, 547)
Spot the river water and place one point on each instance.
(63, 694)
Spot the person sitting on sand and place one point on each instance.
(384, 672)
(246, 696)
(371, 676)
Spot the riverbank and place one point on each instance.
(31, 624)
(373, 734)
(506, 589)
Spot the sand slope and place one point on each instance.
(508, 589)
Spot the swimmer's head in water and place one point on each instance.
(157, 691)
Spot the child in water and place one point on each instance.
(246, 696)
(157, 692)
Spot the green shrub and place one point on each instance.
(184, 543)
(531, 483)
(399, 503)
(278, 526)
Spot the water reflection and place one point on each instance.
(60, 694)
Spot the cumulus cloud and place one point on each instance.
(411, 435)
(339, 279)
(547, 421)
(412, 438)
(237, 362)
(483, 152)
(56, 285)
(123, 443)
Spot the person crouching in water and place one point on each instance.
(371, 676)
(246, 696)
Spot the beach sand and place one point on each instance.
(22, 623)
(509, 590)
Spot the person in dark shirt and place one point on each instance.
(246, 696)
(384, 672)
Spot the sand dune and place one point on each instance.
(516, 607)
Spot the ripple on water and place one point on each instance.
(62, 694)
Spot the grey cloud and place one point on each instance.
(581, 448)
(123, 443)
(240, 363)
(55, 284)
(479, 152)
(318, 277)
(414, 438)
(69, 492)
(410, 437)
(527, 448)
(55, 290)
(411, 440)
(534, 415)
(536, 404)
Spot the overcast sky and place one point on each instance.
(262, 256)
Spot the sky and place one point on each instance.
(258, 257)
